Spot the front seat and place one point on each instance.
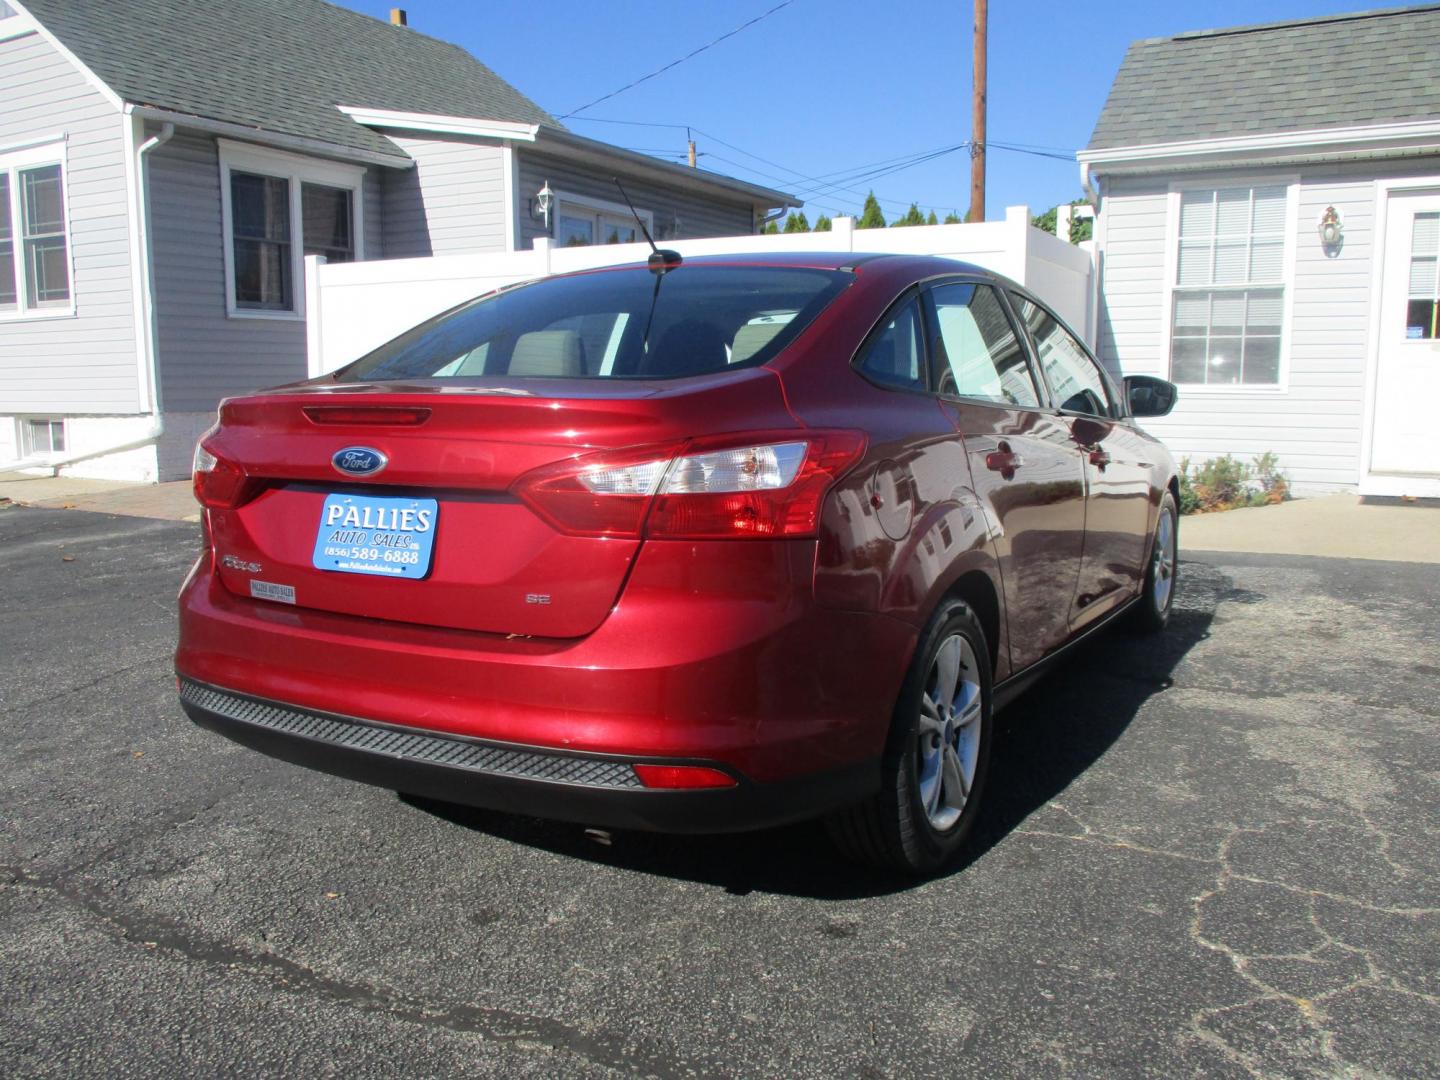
(689, 347)
(548, 354)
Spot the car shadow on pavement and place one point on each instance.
(1045, 739)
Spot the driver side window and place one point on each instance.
(1074, 378)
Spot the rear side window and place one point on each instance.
(613, 324)
(895, 354)
(1074, 378)
(978, 353)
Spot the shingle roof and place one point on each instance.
(279, 65)
(1371, 67)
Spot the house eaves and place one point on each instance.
(280, 140)
(1291, 147)
(566, 144)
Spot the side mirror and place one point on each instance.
(1149, 396)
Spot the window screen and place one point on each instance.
(42, 212)
(1422, 308)
(1229, 297)
(7, 246)
(260, 218)
(979, 353)
(326, 219)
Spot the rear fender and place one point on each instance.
(908, 578)
(949, 544)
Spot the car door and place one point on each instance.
(1117, 464)
(1026, 468)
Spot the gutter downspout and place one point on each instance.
(1090, 185)
(774, 215)
(147, 268)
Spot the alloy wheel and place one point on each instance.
(948, 746)
(1162, 573)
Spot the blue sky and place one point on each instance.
(822, 88)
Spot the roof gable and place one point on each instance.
(278, 65)
(1342, 71)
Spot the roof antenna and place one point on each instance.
(661, 260)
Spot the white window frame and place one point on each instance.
(12, 26)
(297, 170)
(577, 205)
(22, 424)
(14, 160)
(1291, 183)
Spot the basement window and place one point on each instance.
(42, 438)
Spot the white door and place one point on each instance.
(1405, 441)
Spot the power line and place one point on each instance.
(676, 63)
(817, 186)
(1033, 153)
(832, 183)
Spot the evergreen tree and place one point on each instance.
(770, 229)
(910, 217)
(872, 217)
(932, 219)
(952, 218)
(797, 222)
(822, 224)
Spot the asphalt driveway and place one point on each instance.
(1214, 855)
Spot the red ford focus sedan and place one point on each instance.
(704, 545)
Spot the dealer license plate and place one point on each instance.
(367, 534)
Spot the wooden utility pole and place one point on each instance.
(692, 153)
(977, 118)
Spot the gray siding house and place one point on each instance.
(166, 165)
(1268, 231)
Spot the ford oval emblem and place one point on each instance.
(359, 461)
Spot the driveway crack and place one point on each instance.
(158, 935)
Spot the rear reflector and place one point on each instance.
(683, 776)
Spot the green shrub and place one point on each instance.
(1225, 482)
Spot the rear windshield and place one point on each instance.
(615, 324)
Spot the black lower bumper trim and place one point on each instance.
(589, 789)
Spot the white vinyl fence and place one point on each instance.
(355, 307)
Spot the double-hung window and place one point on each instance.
(278, 209)
(1228, 300)
(34, 237)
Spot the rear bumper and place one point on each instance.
(714, 657)
(589, 789)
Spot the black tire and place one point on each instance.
(892, 830)
(1152, 612)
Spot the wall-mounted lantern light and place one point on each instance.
(1331, 231)
(541, 203)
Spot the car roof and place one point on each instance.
(920, 265)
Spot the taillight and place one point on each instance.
(731, 487)
(598, 494)
(219, 484)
